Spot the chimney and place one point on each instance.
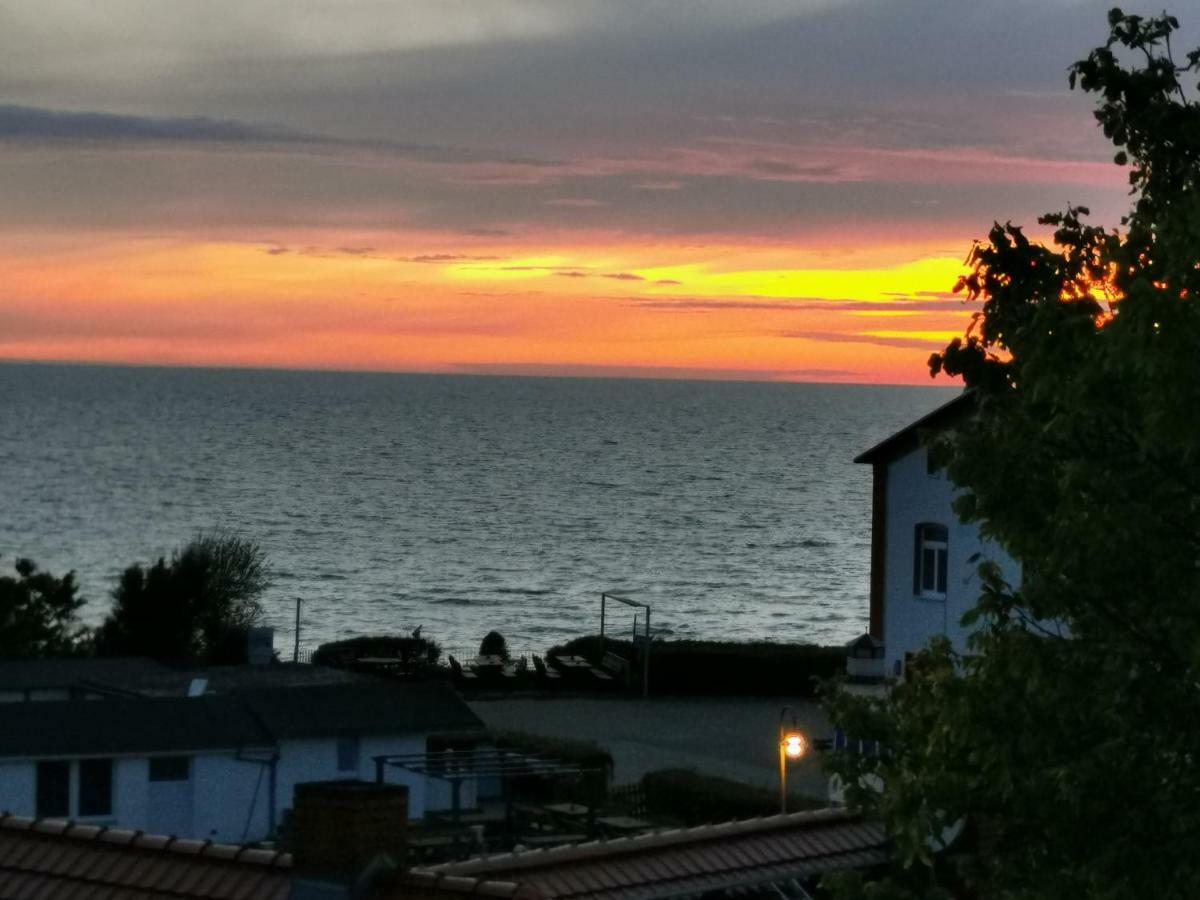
(341, 831)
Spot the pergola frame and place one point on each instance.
(457, 766)
(604, 598)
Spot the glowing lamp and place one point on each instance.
(794, 745)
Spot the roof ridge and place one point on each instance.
(140, 840)
(525, 859)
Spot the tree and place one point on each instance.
(1066, 739)
(196, 607)
(38, 614)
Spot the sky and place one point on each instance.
(760, 189)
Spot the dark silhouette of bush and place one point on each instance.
(760, 668)
(494, 644)
(416, 653)
(691, 798)
(197, 607)
(38, 614)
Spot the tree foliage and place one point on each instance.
(38, 614)
(195, 607)
(1066, 740)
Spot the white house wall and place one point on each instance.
(17, 787)
(229, 797)
(913, 497)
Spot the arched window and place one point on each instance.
(930, 551)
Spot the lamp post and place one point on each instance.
(792, 745)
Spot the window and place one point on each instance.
(347, 754)
(95, 787)
(929, 560)
(53, 789)
(170, 768)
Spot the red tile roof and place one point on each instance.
(55, 860)
(687, 862)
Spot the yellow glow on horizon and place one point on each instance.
(326, 301)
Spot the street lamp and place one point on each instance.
(792, 745)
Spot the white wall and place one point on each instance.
(914, 496)
(17, 781)
(228, 800)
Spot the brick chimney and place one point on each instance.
(339, 828)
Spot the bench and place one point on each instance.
(458, 670)
(618, 665)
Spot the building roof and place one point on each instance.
(137, 675)
(246, 720)
(122, 726)
(369, 708)
(120, 673)
(54, 860)
(671, 864)
(908, 438)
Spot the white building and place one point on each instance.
(924, 560)
(224, 766)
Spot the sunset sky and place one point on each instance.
(697, 188)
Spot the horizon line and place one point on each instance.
(737, 376)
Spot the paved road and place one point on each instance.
(734, 737)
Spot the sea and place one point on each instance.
(461, 504)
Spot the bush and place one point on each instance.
(761, 668)
(694, 799)
(494, 644)
(197, 607)
(414, 652)
(592, 788)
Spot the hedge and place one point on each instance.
(760, 668)
(691, 798)
(417, 653)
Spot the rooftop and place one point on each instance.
(249, 719)
(683, 863)
(49, 860)
(908, 438)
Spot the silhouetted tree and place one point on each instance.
(196, 607)
(494, 644)
(38, 614)
(1066, 740)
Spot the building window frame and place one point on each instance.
(931, 559)
(348, 753)
(52, 789)
(169, 768)
(95, 795)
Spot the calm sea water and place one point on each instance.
(461, 504)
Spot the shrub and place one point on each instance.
(695, 799)
(494, 644)
(760, 668)
(592, 788)
(414, 652)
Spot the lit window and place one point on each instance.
(95, 787)
(347, 754)
(929, 560)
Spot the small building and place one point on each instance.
(924, 560)
(219, 766)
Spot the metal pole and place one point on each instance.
(783, 713)
(603, 600)
(296, 650)
(646, 658)
(782, 776)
